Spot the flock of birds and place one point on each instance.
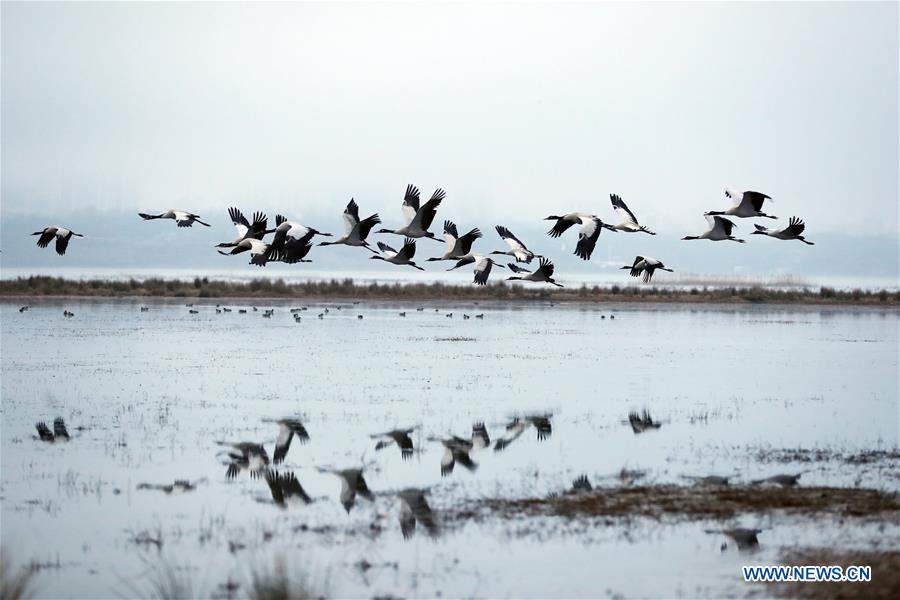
(292, 241)
(286, 489)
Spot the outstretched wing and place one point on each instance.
(351, 215)
(385, 248)
(756, 199)
(410, 203)
(258, 227)
(622, 210)
(483, 270)
(587, 239)
(239, 220)
(562, 224)
(516, 268)
(45, 238)
(425, 215)
(513, 242)
(795, 227)
(450, 234)
(546, 268)
(62, 242)
(408, 250)
(726, 224)
(366, 225)
(466, 241)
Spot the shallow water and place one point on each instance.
(733, 386)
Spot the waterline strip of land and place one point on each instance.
(348, 289)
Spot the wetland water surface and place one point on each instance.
(740, 391)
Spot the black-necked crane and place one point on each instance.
(517, 248)
(418, 218)
(794, 231)
(355, 230)
(290, 230)
(746, 204)
(400, 437)
(402, 257)
(182, 218)
(288, 428)
(720, 229)
(458, 246)
(246, 456)
(293, 251)
(591, 226)
(517, 426)
(627, 221)
(483, 265)
(456, 450)
(352, 484)
(543, 274)
(414, 509)
(286, 489)
(245, 229)
(260, 252)
(61, 234)
(645, 265)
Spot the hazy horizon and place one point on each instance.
(111, 109)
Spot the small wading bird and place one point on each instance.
(260, 252)
(719, 229)
(286, 490)
(290, 230)
(414, 508)
(61, 234)
(482, 264)
(245, 456)
(628, 221)
(400, 437)
(544, 273)
(517, 248)
(744, 538)
(646, 265)
(182, 217)
(457, 246)
(794, 231)
(403, 257)
(355, 231)
(352, 483)
(59, 431)
(288, 428)
(245, 229)
(591, 226)
(746, 204)
(418, 219)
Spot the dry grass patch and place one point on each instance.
(885, 574)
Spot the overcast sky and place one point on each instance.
(517, 110)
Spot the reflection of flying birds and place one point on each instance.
(179, 486)
(59, 431)
(352, 483)
(288, 427)
(285, 489)
(744, 538)
(245, 456)
(414, 508)
(642, 422)
(396, 436)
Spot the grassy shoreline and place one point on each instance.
(41, 286)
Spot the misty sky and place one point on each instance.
(517, 110)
